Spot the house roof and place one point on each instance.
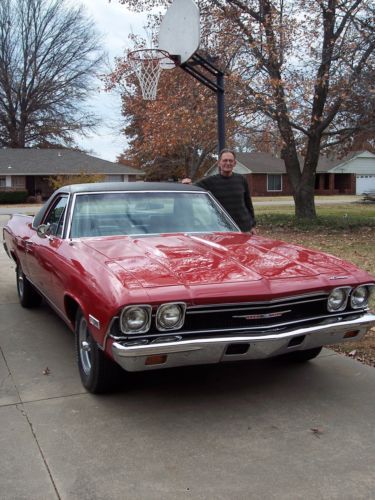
(265, 163)
(30, 161)
(259, 163)
(358, 162)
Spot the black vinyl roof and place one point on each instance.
(127, 186)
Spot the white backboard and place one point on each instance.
(179, 32)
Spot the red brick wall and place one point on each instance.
(258, 185)
(337, 184)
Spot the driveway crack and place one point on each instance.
(20, 407)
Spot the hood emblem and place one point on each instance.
(263, 316)
(338, 277)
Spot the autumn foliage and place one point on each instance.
(174, 135)
(299, 73)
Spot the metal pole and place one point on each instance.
(193, 67)
(220, 111)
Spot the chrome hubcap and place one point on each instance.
(20, 282)
(84, 346)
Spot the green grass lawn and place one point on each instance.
(346, 215)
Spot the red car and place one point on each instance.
(157, 275)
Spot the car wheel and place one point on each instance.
(96, 370)
(27, 294)
(302, 356)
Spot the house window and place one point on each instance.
(18, 181)
(114, 178)
(2, 182)
(274, 182)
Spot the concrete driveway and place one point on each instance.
(250, 431)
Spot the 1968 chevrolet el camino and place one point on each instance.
(153, 275)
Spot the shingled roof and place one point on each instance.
(260, 163)
(29, 161)
(265, 163)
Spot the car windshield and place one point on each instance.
(137, 212)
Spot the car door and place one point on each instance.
(42, 252)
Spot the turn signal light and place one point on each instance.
(156, 359)
(351, 334)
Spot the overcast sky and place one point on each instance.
(114, 22)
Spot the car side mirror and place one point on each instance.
(43, 230)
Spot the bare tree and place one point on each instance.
(49, 56)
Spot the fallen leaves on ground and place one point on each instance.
(316, 431)
(363, 350)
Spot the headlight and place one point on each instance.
(360, 296)
(338, 298)
(135, 319)
(170, 316)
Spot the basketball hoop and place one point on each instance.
(147, 65)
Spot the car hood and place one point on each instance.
(188, 260)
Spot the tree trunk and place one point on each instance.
(304, 201)
(303, 183)
(304, 191)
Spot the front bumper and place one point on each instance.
(236, 347)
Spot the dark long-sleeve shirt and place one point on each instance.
(233, 194)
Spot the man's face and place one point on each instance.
(226, 164)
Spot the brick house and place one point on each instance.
(29, 169)
(354, 174)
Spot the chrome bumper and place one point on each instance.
(215, 350)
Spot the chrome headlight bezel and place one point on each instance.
(144, 327)
(161, 321)
(368, 289)
(343, 301)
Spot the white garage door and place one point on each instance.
(365, 183)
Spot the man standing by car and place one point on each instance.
(231, 190)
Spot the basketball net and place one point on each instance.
(147, 64)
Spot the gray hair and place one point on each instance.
(227, 150)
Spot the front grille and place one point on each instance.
(253, 318)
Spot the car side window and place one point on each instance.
(56, 216)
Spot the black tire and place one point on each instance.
(27, 294)
(98, 372)
(302, 356)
